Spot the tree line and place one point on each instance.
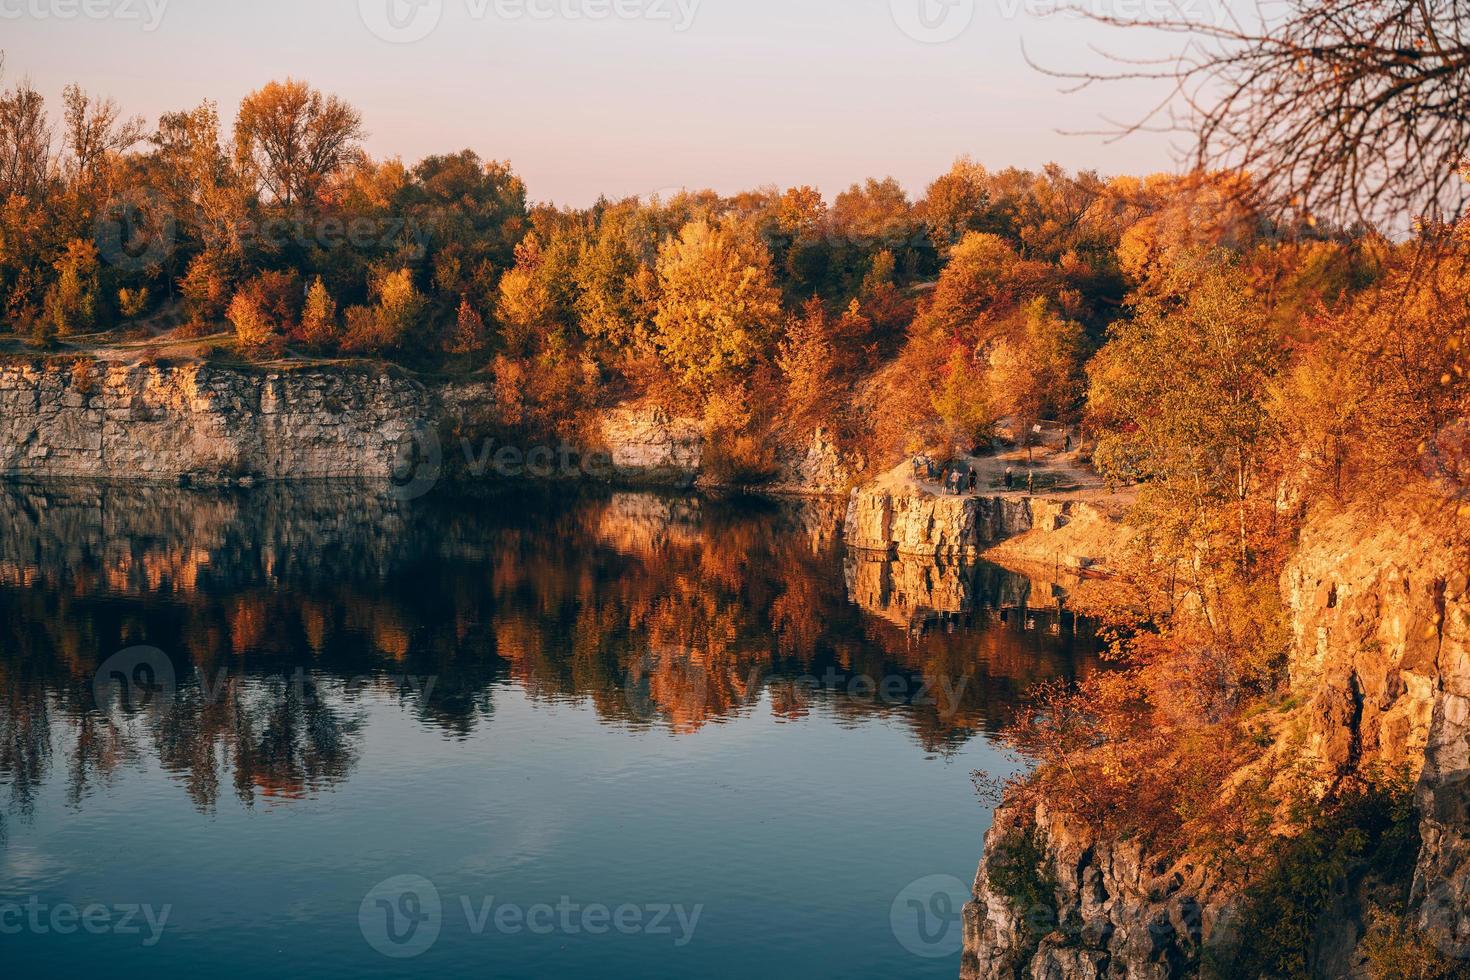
(1174, 314)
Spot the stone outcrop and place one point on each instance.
(1381, 658)
(817, 468)
(1111, 914)
(1380, 671)
(159, 423)
(912, 522)
(650, 446)
(210, 424)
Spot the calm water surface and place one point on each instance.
(515, 735)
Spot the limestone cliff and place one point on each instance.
(649, 445)
(211, 424)
(1380, 673)
(144, 422)
(912, 522)
(1068, 531)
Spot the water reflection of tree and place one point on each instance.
(655, 611)
(25, 744)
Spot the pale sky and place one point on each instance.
(619, 97)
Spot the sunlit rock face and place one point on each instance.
(817, 467)
(1379, 609)
(648, 445)
(911, 522)
(214, 425)
(157, 423)
(1381, 659)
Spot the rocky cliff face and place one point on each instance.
(912, 522)
(1380, 665)
(1381, 609)
(650, 446)
(208, 424)
(819, 467)
(162, 423)
(1110, 911)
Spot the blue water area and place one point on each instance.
(313, 731)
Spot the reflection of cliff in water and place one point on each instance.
(281, 611)
(923, 595)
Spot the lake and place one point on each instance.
(315, 731)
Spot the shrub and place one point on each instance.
(71, 302)
(318, 327)
(1020, 870)
(1366, 832)
(84, 376)
(206, 288)
(132, 303)
(266, 310)
(1399, 950)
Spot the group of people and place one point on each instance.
(1030, 480)
(961, 477)
(925, 468)
(958, 479)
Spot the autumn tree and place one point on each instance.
(1037, 371)
(978, 279)
(398, 310)
(195, 187)
(871, 217)
(1179, 395)
(469, 330)
(956, 203)
(526, 309)
(718, 308)
(132, 303)
(25, 142)
(73, 301)
(295, 140)
(318, 317)
(963, 401)
(94, 132)
(1382, 392)
(475, 212)
(253, 331)
(807, 359)
(614, 277)
(206, 288)
(266, 310)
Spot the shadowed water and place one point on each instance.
(327, 733)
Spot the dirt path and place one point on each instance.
(1059, 475)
